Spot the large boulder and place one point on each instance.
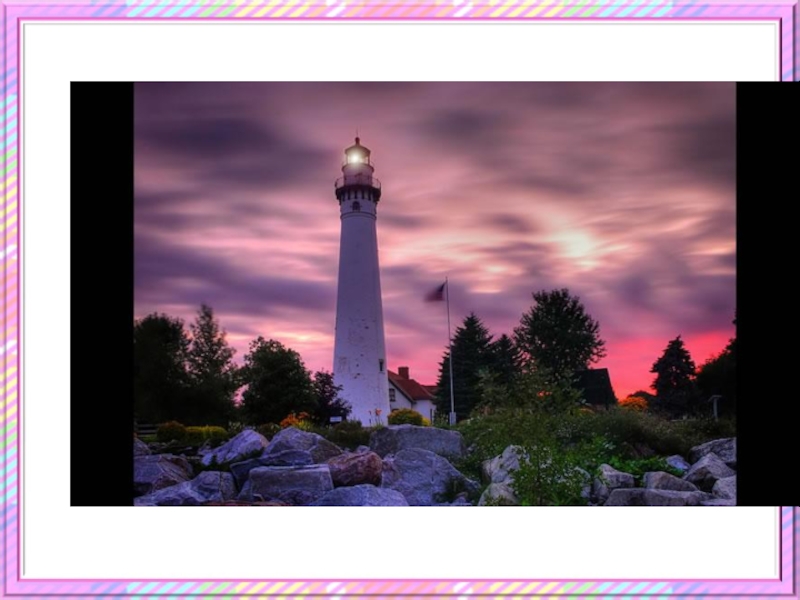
(499, 494)
(706, 471)
(394, 438)
(286, 458)
(293, 439)
(240, 447)
(362, 495)
(660, 480)
(157, 471)
(140, 448)
(608, 480)
(424, 477)
(500, 468)
(725, 449)
(651, 497)
(356, 468)
(209, 486)
(725, 488)
(298, 486)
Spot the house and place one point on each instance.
(596, 387)
(405, 392)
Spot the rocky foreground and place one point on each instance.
(404, 465)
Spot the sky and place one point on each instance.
(624, 193)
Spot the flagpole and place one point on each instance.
(450, 344)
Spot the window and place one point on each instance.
(392, 397)
(357, 206)
(380, 364)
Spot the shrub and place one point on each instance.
(405, 416)
(197, 436)
(300, 421)
(171, 431)
(268, 430)
(549, 476)
(633, 403)
(347, 434)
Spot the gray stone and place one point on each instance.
(725, 488)
(293, 439)
(651, 497)
(499, 468)
(608, 480)
(676, 461)
(156, 471)
(499, 494)
(287, 458)
(394, 438)
(724, 448)
(705, 472)
(362, 495)
(238, 448)
(298, 486)
(718, 502)
(660, 480)
(140, 448)
(209, 486)
(356, 468)
(424, 477)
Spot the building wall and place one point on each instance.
(401, 401)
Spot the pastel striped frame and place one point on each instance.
(782, 11)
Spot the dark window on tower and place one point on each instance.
(380, 364)
(357, 206)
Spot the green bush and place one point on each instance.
(549, 476)
(268, 430)
(171, 431)
(347, 434)
(405, 416)
(197, 436)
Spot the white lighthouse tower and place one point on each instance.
(359, 357)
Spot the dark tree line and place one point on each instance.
(191, 377)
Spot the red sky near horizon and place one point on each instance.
(624, 193)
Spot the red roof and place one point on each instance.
(410, 387)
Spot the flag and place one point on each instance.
(436, 295)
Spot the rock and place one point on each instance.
(157, 471)
(424, 477)
(499, 468)
(676, 461)
(239, 447)
(499, 494)
(718, 502)
(209, 486)
(608, 480)
(660, 480)
(394, 438)
(651, 497)
(356, 468)
(140, 448)
(705, 472)
(725, 449)
(586, 488)
(298, 486)
(292, 438)
(725, 488)
(286, 458)
(362, 495)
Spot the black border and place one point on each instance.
(101, 294)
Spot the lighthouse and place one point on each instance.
(359, 356)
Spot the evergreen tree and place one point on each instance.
(214, 376)
(277, 383)
(328, 402)
(160, 379)
(471, 353)
(675, 380)
(718, 376)
(506, 360)
(557, 334)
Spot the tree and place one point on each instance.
(506, 360)
(471, 353)
(214, 376)
(328, 402)
(557, 334)
(718, 376)
(160, 378)
(277, 383)
(675, 379)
